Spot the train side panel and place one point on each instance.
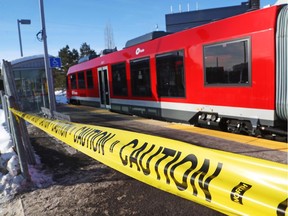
(255, 97)
(83, 87)
(227, 70)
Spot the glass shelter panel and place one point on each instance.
(32, 89)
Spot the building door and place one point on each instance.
(104, 87)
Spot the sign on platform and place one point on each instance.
(55, 62)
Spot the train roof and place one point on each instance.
(146, 37)
(182, 20)
(130, 52)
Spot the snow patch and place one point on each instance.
(61, 97)
(11, 180)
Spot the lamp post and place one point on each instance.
(24, 22)
(51, 94)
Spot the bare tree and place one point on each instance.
(109, 38)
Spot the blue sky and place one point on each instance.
(71, 22)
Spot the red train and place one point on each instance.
(230, 74)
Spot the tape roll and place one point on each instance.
(229, 183)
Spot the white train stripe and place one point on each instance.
(94, 99)
(240, 112)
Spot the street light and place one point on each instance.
(24, 22)
(51, 93)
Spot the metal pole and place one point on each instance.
(16, 135)
(20, 41)
(6, 111)
(43, 93)
(51, 94)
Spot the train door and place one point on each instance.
(104, 87)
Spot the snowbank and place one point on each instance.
(61, 97)
(11, 180)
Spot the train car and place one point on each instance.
(230, 74)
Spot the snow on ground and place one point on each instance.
(61, 96)
(11, 181)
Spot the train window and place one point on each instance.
(67, 83)
(140, 77)
(170, 74)
(89, 76)
(227, 63)
(73, 81)
(119, 81)
(81, 80)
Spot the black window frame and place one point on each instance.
(67, 82)
(81, 82)
(89, 78)
(139, 75)
(248, 68)
(175, 86)
(119, 79)
(73, 80)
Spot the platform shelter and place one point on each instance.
(30, 80)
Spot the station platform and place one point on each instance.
(228, 142)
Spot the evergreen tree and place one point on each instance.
(68, 59)
(85, 50)
(75, 56)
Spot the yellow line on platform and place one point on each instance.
(270, 144)
(254, 141)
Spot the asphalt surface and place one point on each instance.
(244, 145)
(84, 186)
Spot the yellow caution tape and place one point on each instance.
(229, 183)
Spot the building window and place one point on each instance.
(73, 81)
(227, 63)
(119, 81)
(89, 76)
(140, 77)
(81, 80)
(170, 74)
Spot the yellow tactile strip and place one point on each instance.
(270, 144)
